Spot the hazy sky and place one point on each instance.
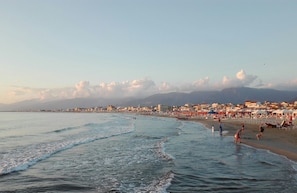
(82, 48)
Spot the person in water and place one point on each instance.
(242, 128)
(237, 135)
(260, 135)
(220, 127)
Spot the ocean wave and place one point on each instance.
(160, 150)
(146, 137)
(65, 187)
(24, 157)
(160, 185)
(64, 129)
(92, 125)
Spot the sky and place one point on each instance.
(59, 49)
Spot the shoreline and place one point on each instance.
(279, 141)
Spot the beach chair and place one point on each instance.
(286, 125)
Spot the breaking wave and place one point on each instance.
(22, 158)
(160, 185)
(160, 150)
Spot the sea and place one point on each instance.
(127, 153)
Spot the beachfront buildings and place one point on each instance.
(248, 106)
(252, 104)
(163, 108)
(279, 112)
(252, 109)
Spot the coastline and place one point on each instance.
(280, 141)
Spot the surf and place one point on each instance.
(23, 157)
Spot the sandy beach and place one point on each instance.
(277, 140)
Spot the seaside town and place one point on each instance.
(273, 114)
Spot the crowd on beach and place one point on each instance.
(239, 132)
(281, 120)
(280, 128)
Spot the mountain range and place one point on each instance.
(228, 95)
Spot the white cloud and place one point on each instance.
(289, 85)
(19, 93)
(124, 89)
(166, 87)
(240, 75)
(82, 89)
(141, 88)
(241, 79)
(246, 80)
(227, 81)
(201, 83)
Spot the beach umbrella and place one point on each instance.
(281, 112)
(285, 111)
(259, 112)
(277, 111)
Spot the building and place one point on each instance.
(163, 108)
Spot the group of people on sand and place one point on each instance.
(239, 132)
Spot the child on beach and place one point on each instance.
(237, 135)
(261, 129)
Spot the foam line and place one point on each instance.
(21, 159)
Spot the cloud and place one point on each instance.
(241, 79)
(201, 84)
(241, 75)
(19, 93)
(166, 87)
(288, 85)
(141, 88)
(82, 90)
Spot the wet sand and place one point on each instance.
(279, 141)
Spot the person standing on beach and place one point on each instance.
(261, 129)
(212, 129)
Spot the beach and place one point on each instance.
(281, 141)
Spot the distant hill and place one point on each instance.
(175, 98)
(228, 95)
(240, 95)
